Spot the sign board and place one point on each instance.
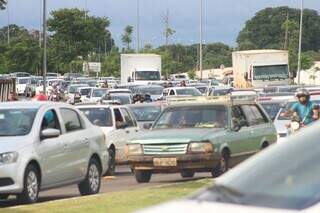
(94, 66)
(91, 67)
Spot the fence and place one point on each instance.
(7, 85)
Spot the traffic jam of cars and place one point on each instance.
(260, 142)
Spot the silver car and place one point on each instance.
(46, 145)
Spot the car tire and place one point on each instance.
(187, 174)
(4, 197)
(142, 176)
(91, 184)
(223, 165)
(112, 163)
(31, 186)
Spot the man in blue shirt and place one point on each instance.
(305, 110)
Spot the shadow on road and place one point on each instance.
(13, 202)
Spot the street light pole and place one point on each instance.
(8, 29)
(44, 46)
(138, 26)
(300, 42)
(200, 46)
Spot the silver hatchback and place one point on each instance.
(44, 145)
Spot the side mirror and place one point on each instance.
(147, 126)
(49, 133)
(122, 125)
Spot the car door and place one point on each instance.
(76, 142)
(241, 142)
(118, 136)
(51, 151)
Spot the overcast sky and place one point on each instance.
(222, 19)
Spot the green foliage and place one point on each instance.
(192, 74)
(111, 64)
(75, 36)
(265, 30)
(3, 4)
(306, 61)
(127, 36)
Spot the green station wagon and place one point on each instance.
(201, 135)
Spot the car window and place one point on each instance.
(127, 117)
(50, 121)
(253, 115)
(172, 92)
(238, 115)
(71, 120)
(118, 117)
(259, 116)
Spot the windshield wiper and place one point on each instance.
(227, 194)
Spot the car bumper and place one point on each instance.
(11, 181)
(194, 162)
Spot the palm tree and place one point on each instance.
(127, 36)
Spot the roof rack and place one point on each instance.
(238, 95)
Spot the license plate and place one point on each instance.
(164, 161)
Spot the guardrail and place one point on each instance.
(7, 85)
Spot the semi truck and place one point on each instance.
(140, 68)
(260, 68)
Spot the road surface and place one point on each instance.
(123, 180)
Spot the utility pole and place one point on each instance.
(200, 46)
(138, 26)
(300, 42)
(8, 29)
(44, 46)
(286, 33)
(40, 23)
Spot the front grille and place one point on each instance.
(6, 182)
(165, 149)
(282, 135)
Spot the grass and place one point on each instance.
(116, 202)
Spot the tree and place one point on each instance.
(75, 35)
(265, 30)
(127, 36)
(168, 31)
(111, 64)
(3, 4)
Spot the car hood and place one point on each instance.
(174, 135)
(9, 144)
(190, 206)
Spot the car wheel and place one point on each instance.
(187, 174)
(31, 187)
(142, 176)
(91, 185)
(112, 162)
(223, 165)
(4, 197)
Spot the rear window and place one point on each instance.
(98, 116)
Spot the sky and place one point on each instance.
(222, 19)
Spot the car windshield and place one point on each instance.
(85, 92)
(147, 75)
(152, 90)
(146, 113)
(272, 109)
(123, 99)
(16, 122)
(92, 83)
(189, 92)
(99, 93)
(24, 81)
(294, 185)
(220, 92)
(193, 117)
(74, 89)
(98, 116)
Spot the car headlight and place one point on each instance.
(134, 149)
(200, 147)
(9, 157)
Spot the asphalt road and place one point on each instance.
(123, 180)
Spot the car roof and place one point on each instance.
(93, 105)
(31, 104)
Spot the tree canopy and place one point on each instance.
(3, 4)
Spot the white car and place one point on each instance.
(21, 84)
(118, 125)
(180, 91)
(95, 95)
(284, 178)
(45, 145)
